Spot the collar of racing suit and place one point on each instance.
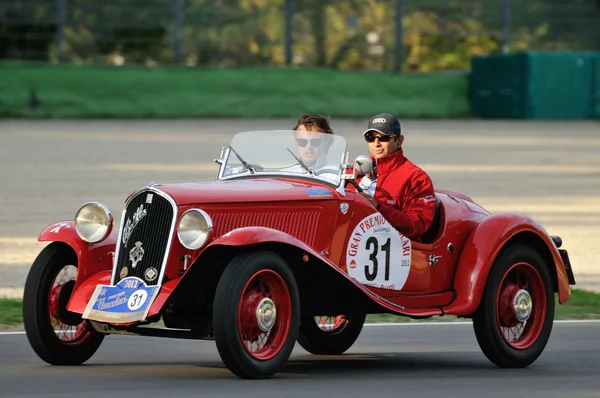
(321, 162)
(389, 162)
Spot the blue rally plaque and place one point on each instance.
(127, 301)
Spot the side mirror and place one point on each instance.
(362, 165)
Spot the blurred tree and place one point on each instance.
(341, 34)
(316, 13)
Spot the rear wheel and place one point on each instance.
(57, 336)
(514, 319)
(255, 314)
(332, 335)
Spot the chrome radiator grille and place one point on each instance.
(144, 239)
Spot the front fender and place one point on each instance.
(92, 258)
(255, 235)
(480, 251)
(248, 236)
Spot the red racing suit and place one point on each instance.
(405, 195)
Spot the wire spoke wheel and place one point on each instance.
(514, 319)
(521, 306)
(332, 324)
(58, 336)
(256, 314)
(330, 335)
(264, 314)
(75, 330)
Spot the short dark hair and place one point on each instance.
(319, 121)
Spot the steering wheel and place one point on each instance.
(326, 171)
(358, 188)
(332, 171)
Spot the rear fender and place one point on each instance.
(482, 248)
(91, 258)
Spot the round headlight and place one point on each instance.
(93, 222)
(193, 229)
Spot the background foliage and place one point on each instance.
(341, 34)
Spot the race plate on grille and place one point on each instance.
(127, 301)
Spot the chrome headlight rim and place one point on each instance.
(109, 222)
(209, 228)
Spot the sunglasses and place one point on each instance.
(370, 137)
(302, 142)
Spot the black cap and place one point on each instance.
(385, 123)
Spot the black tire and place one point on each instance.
(230, 302)
(525, 263)
(335, 342)
(37, 315)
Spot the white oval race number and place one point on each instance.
(378, 255)
(137, 299)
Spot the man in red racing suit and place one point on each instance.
(403, 192)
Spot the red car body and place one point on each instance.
(327, 236)
(441, 281)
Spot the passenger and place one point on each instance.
(312, 146)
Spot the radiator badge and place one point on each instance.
(130, 225)
(123, 273)
(150, 274)
(136, 254)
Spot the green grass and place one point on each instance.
(581, 305)
(69, 91)
(10, 312)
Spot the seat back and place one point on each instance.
(432, 232)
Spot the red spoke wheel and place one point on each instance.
(514, 319)
(255, 314)
(330, 335)
(57, 336)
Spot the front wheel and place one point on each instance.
(256, 314)
(330, 335)
(514, 319)
(57, 336)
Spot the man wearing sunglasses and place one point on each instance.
(312, 144)
(401, 191)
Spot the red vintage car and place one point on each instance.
(279, 241)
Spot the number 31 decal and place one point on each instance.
(374, 243)
(378, 255)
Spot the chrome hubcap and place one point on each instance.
(522, 305)
(266, 314)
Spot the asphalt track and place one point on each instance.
(416, 360)
(549, 170)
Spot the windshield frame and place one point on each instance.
(227, 153)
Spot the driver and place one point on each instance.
(403, 192)
(312, 146)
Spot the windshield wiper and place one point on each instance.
(301, 163)
(244, 163)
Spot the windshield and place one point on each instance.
(286, 152)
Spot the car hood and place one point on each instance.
(247, 190)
